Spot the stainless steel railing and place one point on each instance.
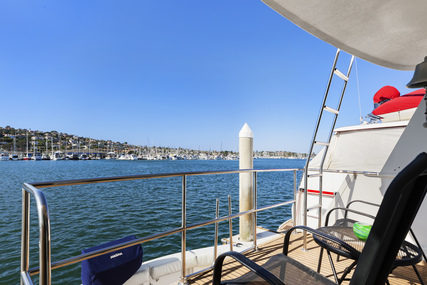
(45, 263)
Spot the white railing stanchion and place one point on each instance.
(255, 213)
(183, 226)
(216, 229)
(25, 234)
(230, 222)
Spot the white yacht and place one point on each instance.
(14, 157)
(37, 156)
(356, 162)
(4, 156)
(58, 155)
(110, 155)
(128, 157)
(83, 156)
(122, 157)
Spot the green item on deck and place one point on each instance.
(361, 230)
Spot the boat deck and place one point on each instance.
(401, 275)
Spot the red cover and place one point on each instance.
(404, 102)
(386, 92)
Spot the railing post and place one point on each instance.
(184, 225)
(230, 222)
(216, 230)
(44, 243)
(25, 233)
(294, 210)
(304, 247)
(255, 213)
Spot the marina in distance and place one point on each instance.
(24, 144)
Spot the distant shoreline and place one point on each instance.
(72, 155)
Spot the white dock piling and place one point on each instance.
(246, 183)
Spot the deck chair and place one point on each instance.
(395, 216)
(409, 254)
(349, 222)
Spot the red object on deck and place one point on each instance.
(386, 93)
(404, 102)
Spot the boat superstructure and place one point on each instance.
(379, 36)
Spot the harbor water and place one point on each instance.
(87, 215)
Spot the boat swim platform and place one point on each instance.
(232, 269)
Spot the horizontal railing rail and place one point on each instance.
(150, 176)
(359, 172)
(45, 264)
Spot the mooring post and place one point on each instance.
(246, 161)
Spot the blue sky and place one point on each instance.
(171, 73)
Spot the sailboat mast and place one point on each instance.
(27, 143)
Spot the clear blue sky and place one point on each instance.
(171, 73)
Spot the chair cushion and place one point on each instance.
(113, 268)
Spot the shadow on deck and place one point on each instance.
(401, 275)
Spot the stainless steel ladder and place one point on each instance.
(326, 143)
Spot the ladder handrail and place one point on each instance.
(326, 145)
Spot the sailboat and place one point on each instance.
(28, 155)
(14, 156)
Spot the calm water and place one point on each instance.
(87, 215)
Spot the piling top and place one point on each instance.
(246, 132)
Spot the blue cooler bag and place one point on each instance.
(112, 268)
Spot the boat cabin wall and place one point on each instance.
(362, 148)
(342, 189)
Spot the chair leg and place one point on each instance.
(347, 271)
(418, 274)
(319, 264)
(418, 244)
(333, 267)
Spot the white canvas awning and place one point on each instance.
(390, 33)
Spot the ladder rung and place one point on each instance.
(317, 206)
(322, 143)
(315, 175)
(340, 74)
(330, 110)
